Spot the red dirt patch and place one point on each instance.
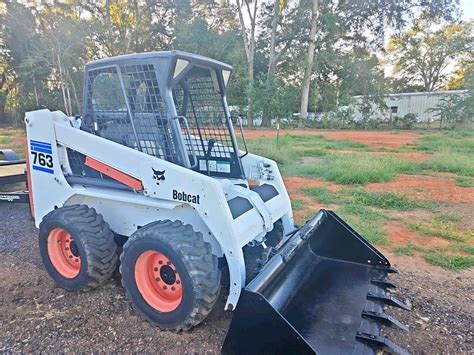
(416, 156)
(294, 185)
(400, 235)
(422, 187)
(374, 139)
(311, 207)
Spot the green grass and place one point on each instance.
(267, 148)
(447, 142)
(347, 169)
(323, 195)
(451, 163)
(4, 140)
(464, 181)
(444, 230)
(453, 153)
(450, 262)
(371, 230)
(387, 200)
(297, 204)
(446, 218)
(322, 142)
(16, 132)
(366, 221)
(313, 152)
(291, 147)
(439, 256)
(363, 212)
(344, 145)
(406, 250)
(464, 247)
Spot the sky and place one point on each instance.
(467, 6)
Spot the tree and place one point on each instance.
(457, 109)
(422, 55)
(249, 39)
(309, 63)
(6, 75)
(122, 26)
(281, 28)
(363, 22)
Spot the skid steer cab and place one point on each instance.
(153, 168)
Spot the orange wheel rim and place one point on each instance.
(63, 253)
(158, 281)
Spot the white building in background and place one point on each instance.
(418, 103)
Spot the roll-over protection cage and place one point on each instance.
(171, 105)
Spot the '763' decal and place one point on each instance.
(42, 158)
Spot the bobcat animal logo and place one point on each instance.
(158, 175)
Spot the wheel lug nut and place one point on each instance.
(77, 260)
(178, 282)
(70, 256)
(155, 269)
(158, 279)
(67, 248)
(168, 262)
(173, 288)
(160, 262)
(165, 287)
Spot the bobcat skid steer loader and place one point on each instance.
(154, 161)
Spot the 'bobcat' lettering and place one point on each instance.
(183, 196)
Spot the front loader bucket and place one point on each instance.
(323, 292)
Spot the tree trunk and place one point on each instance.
(272, 62)
(63, 88)
(35, 91)
(74, 93)
(250, 93)
(249, 45)
(68, 95)
(3, 97)
(3, 117)
(309, 66)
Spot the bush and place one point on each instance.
(408, 120)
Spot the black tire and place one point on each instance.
(194, 262)
(94, 241)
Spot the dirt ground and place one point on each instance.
(37, 316)
(422, 187)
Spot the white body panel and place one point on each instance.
(125, 211)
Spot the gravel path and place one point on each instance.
(35, 315)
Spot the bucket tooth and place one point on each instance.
(389, 270)
(384, 319)
(392, 301)
(380, 343)
(384, 283)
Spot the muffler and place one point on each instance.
(324, 291)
